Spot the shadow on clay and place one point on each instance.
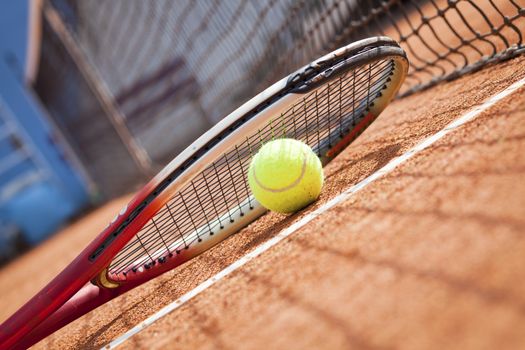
(490, 295)
(351, 338)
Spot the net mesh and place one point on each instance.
(226, 44)
(184, 65)
(213, 198)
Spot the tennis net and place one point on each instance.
(183, 65)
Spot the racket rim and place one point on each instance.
(373, 55)
(188, 157)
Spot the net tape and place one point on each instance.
(321, 119)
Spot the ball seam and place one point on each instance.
(286, 188)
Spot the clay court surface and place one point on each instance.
(429, 256)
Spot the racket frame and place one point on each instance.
(71, 294)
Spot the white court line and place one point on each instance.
(309, 217)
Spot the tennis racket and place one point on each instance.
(202, 196)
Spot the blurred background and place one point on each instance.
(96, 96)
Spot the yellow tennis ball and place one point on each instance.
(285, 175)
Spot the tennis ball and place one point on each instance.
(285, 175)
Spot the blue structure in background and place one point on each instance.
(40, 187)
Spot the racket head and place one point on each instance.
(202, 196)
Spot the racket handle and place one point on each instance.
(36, 311)
(87, 299)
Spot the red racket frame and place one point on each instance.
(68, 297)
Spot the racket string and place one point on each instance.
(230, 170)
(212, 201)
(220, 192)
